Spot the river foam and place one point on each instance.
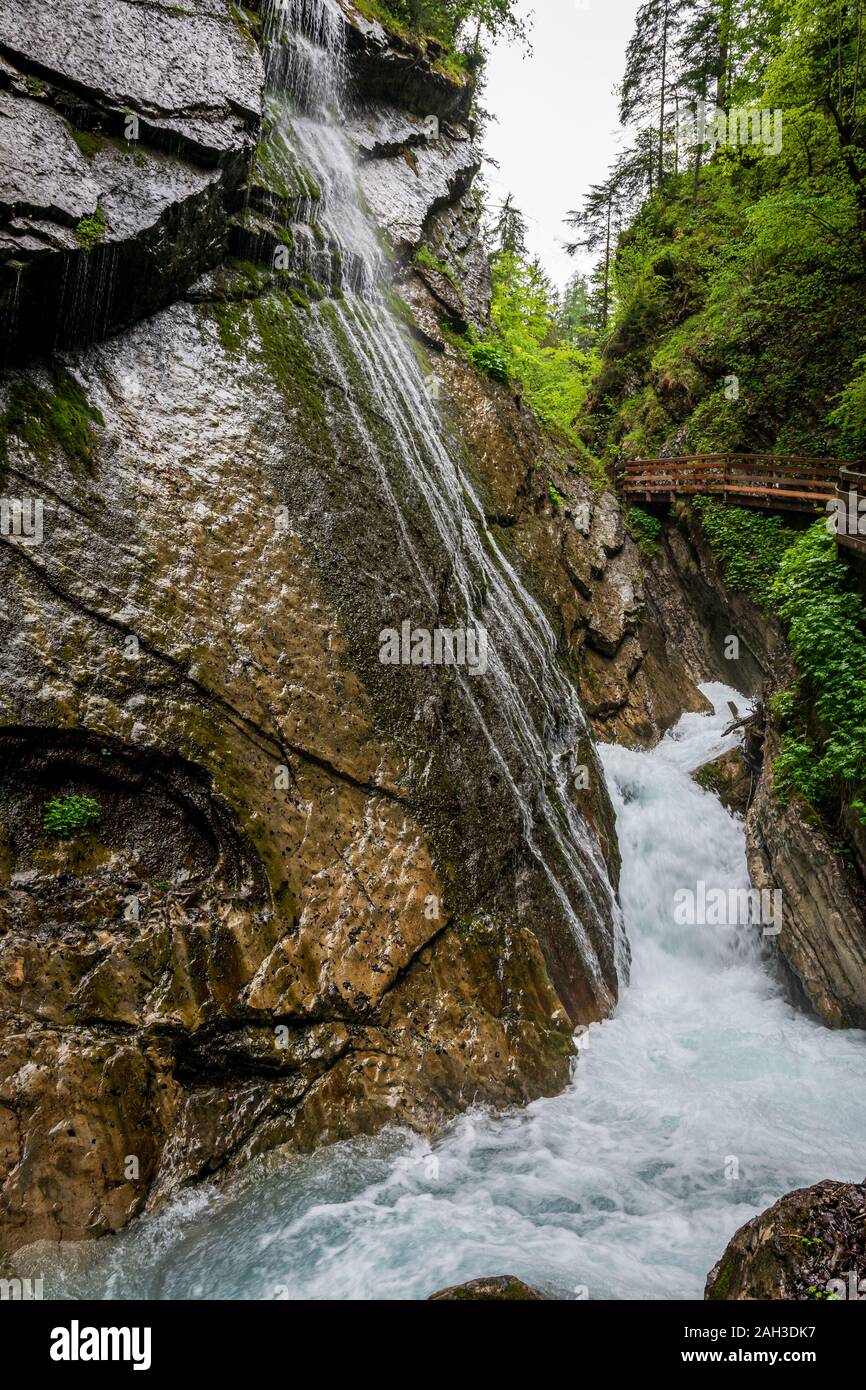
(704, 1099)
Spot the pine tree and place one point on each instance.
(573, 315)
(598, 223)
(699, 61)
(648, 81)
(508, 234)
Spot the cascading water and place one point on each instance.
(705, 1099)
(525, 710)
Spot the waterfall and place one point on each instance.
(525, 711)
(705, 1099)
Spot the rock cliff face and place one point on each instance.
(323, 893)
(823, 931)
(126, 130)
(700, 612)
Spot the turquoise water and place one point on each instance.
(704, 1099)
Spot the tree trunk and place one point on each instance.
(606, 299)
(723, 83)
(699, 148)
(663, 93)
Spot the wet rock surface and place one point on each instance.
(730, 778)
(503, 1288)
(700, 614)
(126, 131)
(823, 935)
(191, 71)
(308, 905)
(808, 1247)
(408, 174)
(267, 937)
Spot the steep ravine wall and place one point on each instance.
(318, 899)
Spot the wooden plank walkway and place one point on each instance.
(787, 483)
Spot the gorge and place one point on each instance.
(362, 978)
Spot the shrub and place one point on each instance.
(748, 546)
(490, 358)
(554, 494)
(66, 815)
(824, 617)
(644, 528)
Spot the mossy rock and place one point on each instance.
(47, 419)
(727, 777)
(503, 1288)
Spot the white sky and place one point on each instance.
(557, 127)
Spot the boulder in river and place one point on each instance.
(502, 1288)
(729, 777)
(809, 1247)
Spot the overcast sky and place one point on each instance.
(557, 127)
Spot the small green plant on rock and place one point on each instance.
(65, 816)
(91, 230)
(554, 494)
(489, 358)
(644, 528)
(425, 260)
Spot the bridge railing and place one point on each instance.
(787, 482)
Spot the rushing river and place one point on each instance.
(704, 1099)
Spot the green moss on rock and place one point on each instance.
(46, 420)
(91, 230)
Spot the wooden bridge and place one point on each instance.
(787, 483)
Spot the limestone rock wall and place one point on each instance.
(311, 904)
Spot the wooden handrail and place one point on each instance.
(793, 482)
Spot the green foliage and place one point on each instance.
(91, 230)
(850, 414)
(65, 816)
(823, 717)
(507, 235)
(45, 419)
(489, 357)
(576, 316)
(784, 703)
(823, 755)
(89, 142)
(738, 274)
(711, 778)
(552, 370)
(644, 528)
(554, 494)
(748, 546)
(426, 260)
(456, 24)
